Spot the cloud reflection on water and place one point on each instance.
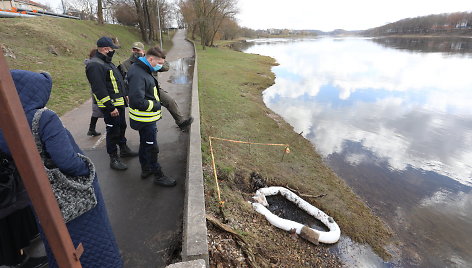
(409, 109)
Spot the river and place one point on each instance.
(393, 118)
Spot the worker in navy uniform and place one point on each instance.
(145, 111)
(109, 93)
(166, 99)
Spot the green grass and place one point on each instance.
(30, 39)
(230, 86)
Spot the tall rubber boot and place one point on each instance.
(93, 125)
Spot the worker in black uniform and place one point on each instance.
(108, 90)
(145, 110)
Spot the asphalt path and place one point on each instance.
(146, 219)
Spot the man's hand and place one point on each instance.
(115, 113)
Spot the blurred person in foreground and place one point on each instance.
(92, 228)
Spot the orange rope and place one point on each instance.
(216, 176)
(221, 203)
(247, 142)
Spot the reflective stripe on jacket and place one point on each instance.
(145, 105)
(106, 82)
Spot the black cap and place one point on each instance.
(105, 41)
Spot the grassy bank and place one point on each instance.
(31, 41)
(230, 85)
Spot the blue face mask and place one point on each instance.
(153, 69)
(156, 68)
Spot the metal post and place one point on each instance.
(17, 133)
(159, 21)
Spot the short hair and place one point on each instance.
(156, 52)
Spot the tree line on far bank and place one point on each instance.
(457, 23)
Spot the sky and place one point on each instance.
(338, 14)
(331, 14)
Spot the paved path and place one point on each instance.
(146, 219)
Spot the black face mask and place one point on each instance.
(110, 53)
(137, 54)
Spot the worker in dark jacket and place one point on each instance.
(145, 110)
(108, 89)
(166, 100)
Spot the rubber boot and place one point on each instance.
(125, 151)
(115, 163)
(93, 125)
(163, 180)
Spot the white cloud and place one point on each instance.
(417, 112)
(345, 14)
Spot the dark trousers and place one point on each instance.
(116, 128)
(148, 148)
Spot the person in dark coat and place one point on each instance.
(92, 228)
(109, 91)
(145, 111)
(166, 100)
(96, 112)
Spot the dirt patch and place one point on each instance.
(7, 52)
(253, 241)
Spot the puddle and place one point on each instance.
(351, 254)
(182, 71)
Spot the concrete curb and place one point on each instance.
(189, 264)
(194, 244)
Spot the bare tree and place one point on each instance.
(229, 29)
(189, 16)
(147, 16)
(85, 9)
(141, 19)
(225, 9)
(207, 16)
(126, 14)
(99, 12)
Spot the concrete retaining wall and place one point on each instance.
(194, 242)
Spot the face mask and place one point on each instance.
(137, 54)
(110, 53)
(156, 68)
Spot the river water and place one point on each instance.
(393, 118)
